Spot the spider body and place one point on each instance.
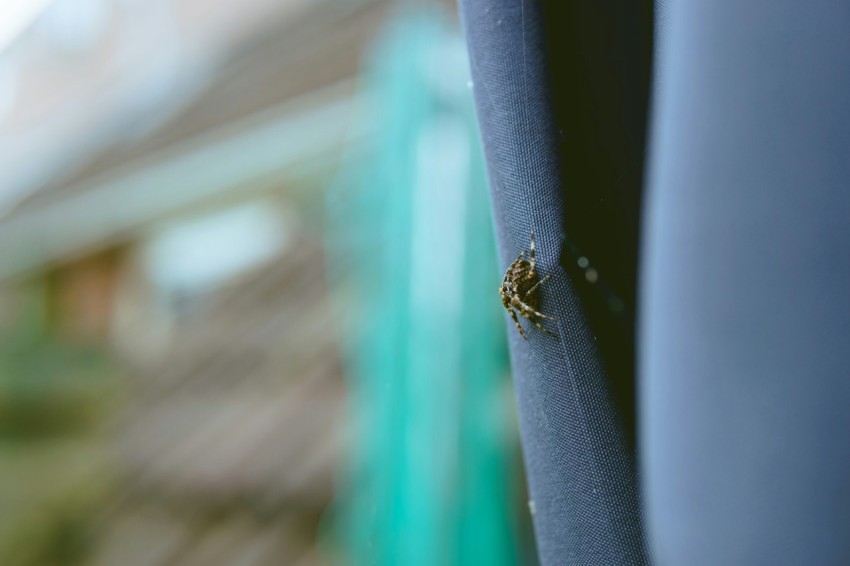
(519, 291)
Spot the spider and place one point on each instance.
(519, 291)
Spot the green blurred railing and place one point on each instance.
(432, 476)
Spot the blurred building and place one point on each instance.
(159, 215)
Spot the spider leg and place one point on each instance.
(538, 284)
(531, 315)
(526, 311)
(532, 250)
(518, 325)
(543, 328)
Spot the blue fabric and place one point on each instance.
(745, 356)
(744, 310)
(579, 461)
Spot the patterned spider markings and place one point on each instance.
(519, 291)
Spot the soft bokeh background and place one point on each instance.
(248, 309)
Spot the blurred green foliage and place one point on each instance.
(54, 398)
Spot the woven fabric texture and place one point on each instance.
(579, 463)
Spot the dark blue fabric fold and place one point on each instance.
(579, 461)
